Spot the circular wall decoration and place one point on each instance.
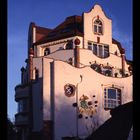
(69, 90)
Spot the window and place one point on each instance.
(47, 51)
(99, 50)
(35, 74)
(106, 51)
(95, 49)
(70, 61)
(89, 45)
(98, 27)
(112, 98)
(23, 105)
(69, 45)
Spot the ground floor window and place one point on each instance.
(112, 97)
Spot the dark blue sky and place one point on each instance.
(49, 13)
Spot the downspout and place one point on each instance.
(52, 98)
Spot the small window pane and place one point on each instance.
(95, 49)
(100, 51)
(106, 51)
(89, 45)
(95, 28)
(112, 93)
(100, 29)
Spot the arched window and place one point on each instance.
(46, 51)
(112, 97)
(69, 45)
(98, 27)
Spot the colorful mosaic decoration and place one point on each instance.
(86, 107)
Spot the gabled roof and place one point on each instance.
(72, 26)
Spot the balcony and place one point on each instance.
(21, 92)
(108, 70)
(22, 119)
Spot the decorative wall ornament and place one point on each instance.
(69, 90)
(86, 106)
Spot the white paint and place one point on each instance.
(65, 116)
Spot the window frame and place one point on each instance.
(99, 50)
(98, 27)
(110, 103)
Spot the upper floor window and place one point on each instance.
(69, 45)
(98, 27)
(47, 51)
(112, 97)
(100, 50)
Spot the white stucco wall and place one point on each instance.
(56, 45)
(93, 84)
(87, 56)
(56, 73)
(47, 89)
(63, 55)
(37, 97)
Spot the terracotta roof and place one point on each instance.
(72, 26)
(122, 50)
(41, 32)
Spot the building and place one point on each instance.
(75, 73)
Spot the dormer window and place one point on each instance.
(46, 51)
(98, 27)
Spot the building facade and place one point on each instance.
(74, 75)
